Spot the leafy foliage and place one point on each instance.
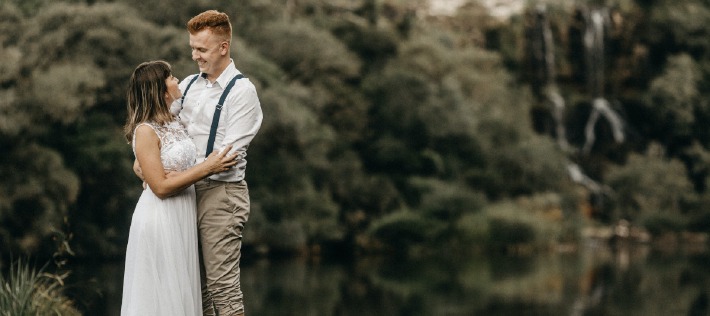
(384, 127)
(650, 184)
(674, 94)
(28, 292)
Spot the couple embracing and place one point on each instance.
(190, 141)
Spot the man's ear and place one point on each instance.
(224, 48)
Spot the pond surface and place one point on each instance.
(594, 280)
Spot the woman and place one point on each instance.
(162, 267)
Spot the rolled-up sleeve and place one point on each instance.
(242, 121)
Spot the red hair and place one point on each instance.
(213, 20)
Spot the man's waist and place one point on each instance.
(213, 181)
(234, 174)
(207, 183)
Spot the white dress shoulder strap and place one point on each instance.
(158, 131)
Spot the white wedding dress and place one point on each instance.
(162, 274)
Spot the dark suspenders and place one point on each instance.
(182, 101)
(217, 110)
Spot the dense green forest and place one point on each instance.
(386, 128)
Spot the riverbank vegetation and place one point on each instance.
(25, 291)
(387, 129)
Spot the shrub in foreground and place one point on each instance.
(28, 292)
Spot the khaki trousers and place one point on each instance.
(222, 212)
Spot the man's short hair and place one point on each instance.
(215, 21)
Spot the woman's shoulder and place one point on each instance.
(162, 130)
(146, 126)
(146, 129)
(145, 133)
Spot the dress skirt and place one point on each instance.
(162, 275)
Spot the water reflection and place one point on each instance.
(628, 280)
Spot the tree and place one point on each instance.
(65, 105)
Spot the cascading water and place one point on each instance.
(596, 21)
(542, 48)
(590, 29)
(543, 53)
(600, 106)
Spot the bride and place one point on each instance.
(162, 266)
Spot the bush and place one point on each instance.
(510, 232)
(649, 184)
(523, 168)
(400, 230)
(511, 226)
(659, 223)
(26, 292)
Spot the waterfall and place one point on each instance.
(594, 50)
(600, 106)
(596, 22)
(541, 49)
(543, 53)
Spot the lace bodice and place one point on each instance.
(177, 151)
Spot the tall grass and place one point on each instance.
(25, 291)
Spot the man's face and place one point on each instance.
(210, 52)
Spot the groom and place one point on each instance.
(223, 199)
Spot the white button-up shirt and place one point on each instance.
(238, 124)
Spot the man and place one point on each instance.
(222, 200)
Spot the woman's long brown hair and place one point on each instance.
(146, 96)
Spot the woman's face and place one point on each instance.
(173, 93)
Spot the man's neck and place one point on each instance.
(213, 76)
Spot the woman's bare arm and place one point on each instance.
(151, 167)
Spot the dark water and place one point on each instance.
(590, 281)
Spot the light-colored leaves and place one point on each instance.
(65, 91)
